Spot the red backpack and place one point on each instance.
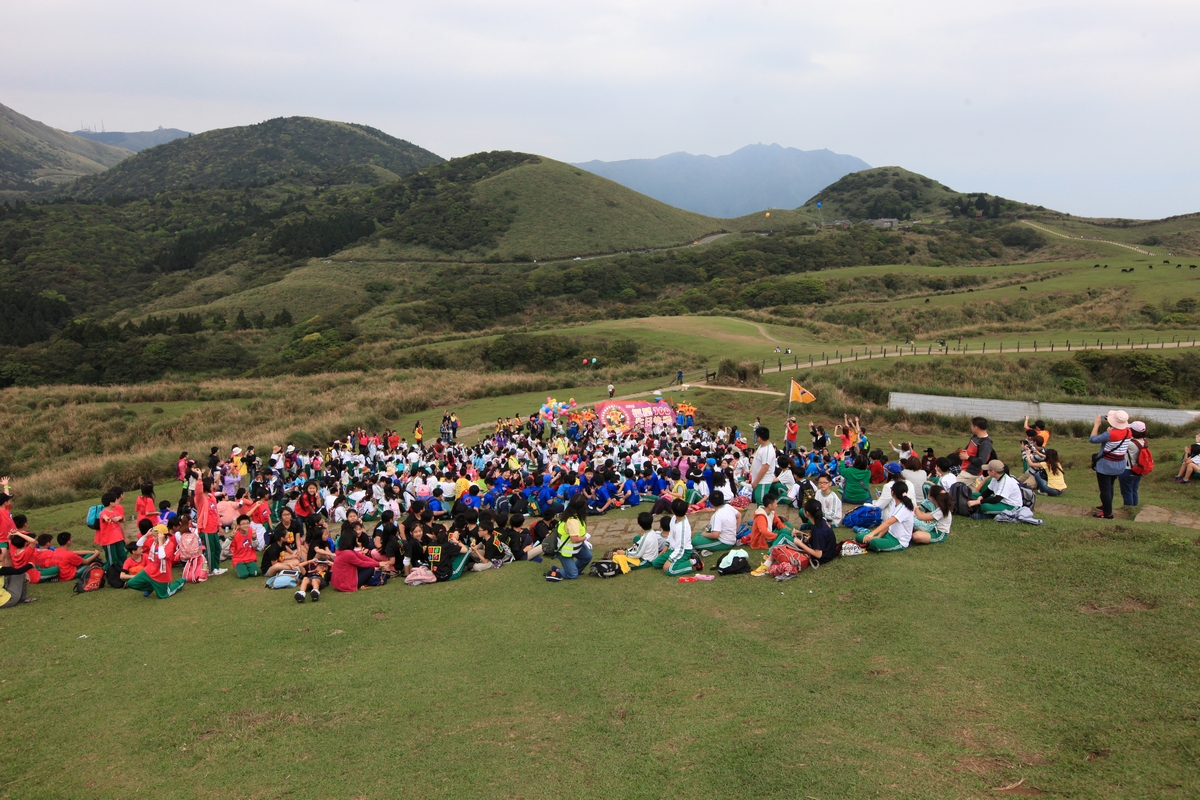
(1145, 462)
(90, 578)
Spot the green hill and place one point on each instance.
(34, 156)
(893, 192)
(300, 150)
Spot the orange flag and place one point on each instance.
(800, 394)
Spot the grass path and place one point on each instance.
(1080, 238)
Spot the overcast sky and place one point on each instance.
(1087, 106)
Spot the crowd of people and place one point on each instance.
(372, 507)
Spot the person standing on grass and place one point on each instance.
(419, 435)
(111, 535)
(611, 390)
(762, 468)
(6, 501)
(208, 524)
(1130, 481)
(1110, 461)
(789, 435)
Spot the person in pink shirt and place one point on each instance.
(352, 568)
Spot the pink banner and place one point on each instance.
(624, 415)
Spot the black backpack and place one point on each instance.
(113, 575)
(90, 578)
(960, 494)
(739, 565)
(605, 569)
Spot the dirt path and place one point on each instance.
(1081, 238)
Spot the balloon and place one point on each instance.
(593, 361)
(768, 213)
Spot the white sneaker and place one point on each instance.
(218, 572)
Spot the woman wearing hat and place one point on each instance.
(1109, 463)
(1130, 480)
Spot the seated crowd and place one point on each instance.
(373, 507)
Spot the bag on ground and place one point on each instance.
(189, 546)
(283, 580)
(195, 570)
(90, 578)
(735, 562)
(420, 575)
(604, 568)
(863, 517)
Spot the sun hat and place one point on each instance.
(1118, 419)
(996, 465)
(1137, 427)
(237, 451)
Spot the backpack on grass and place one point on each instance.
(90, 578)
(604, 568)
(283, 580)
(1028, 497)
(735, 562)
(863, 517)
(195, 570)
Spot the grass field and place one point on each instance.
(1061, 656)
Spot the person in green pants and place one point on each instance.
(721, 534)
(208, 524)
(1002, 492)
(895, 532)
(762, 468)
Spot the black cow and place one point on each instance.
(1023, 289)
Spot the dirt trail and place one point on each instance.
(1080, 238)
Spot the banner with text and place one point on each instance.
(625, 415)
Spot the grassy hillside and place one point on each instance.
(562, 210)
(33, 155)
(296, 149)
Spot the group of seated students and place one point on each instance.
(448, 508)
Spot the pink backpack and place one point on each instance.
(189, 546)
(420, 575)
(195, 571)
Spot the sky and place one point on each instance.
(1087, 106)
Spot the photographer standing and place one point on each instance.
(1109, 463)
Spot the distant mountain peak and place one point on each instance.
(750, 179)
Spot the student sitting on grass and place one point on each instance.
(155, 575)
(316, 577)
(896, 531)
(933, 517)
(1048, 474)
(280, 553)
(133, 562)
(858, 479)
(721, 534)
(768, 529)
(1190, 465)
(820, 543)
(352, 568)
(68, 561)
(242, 552)
(23, 551)
(831, 504)
(676, 557)
(648, 545)
(1002, 492)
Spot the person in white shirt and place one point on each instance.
(762, 468)
(896, 530)
(1002, 493)
(931, 527)
(676, 559)
(831, 503)
(721, 534)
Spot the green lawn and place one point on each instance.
(1062, 655)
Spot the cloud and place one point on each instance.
(1028, 96)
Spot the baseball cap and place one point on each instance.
(893, 467)
(1137, 427)
(996, 465)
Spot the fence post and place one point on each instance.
(810, 359)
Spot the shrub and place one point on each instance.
(1073, 386)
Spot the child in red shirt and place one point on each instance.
(146, 507)
(111, 535)
(68, 561)
(241, 550)
(155, 575)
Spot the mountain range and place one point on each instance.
(751, 179)
(134, 141)
(34, 155)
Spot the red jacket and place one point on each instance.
(345, 569)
